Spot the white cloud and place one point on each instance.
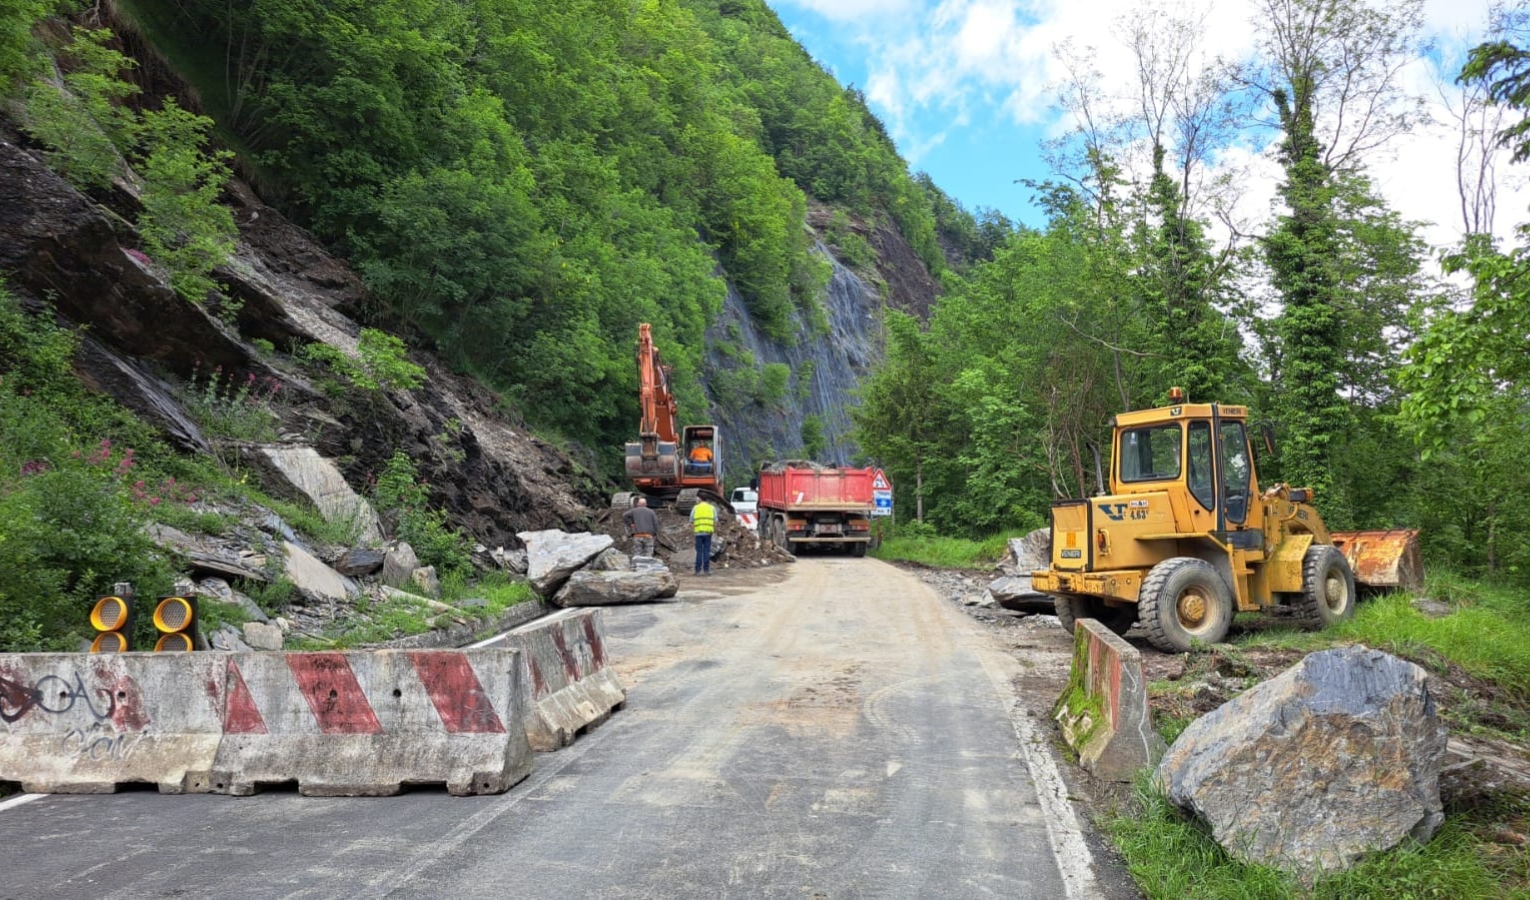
(936, 64)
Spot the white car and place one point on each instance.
(746, 503)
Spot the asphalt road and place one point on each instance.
(831, 729)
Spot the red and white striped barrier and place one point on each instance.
(566, 686)
(365, 724)
(750, 521)
(337, 724)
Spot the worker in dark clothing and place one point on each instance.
(642, 524)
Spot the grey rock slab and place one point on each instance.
(399, 563)
(612, 560)
(552, 556)
(313, 577)
(1432, 609)
(1337, 757)
(510, 560)
(228, 640)
(1014, 592)
(359, 561)
(262, 636)
(588, 588)
(312, 476)
(1028, 554)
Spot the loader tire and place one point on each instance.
(1118, 619)
(1328, 589)
(1184, 602)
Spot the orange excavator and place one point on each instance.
(669, 465)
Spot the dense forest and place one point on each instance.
(1395, 381)
(521, 183)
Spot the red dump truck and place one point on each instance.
(806, 503)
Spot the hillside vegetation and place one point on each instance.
(1400, 395)
(525, 182)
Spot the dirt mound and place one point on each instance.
(733, 545)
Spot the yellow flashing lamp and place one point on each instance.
(175, 618)
(1176, 395)
(112, 618)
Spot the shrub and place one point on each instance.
(401, 496)
(244, 411)
(184, 227)
(381, 363)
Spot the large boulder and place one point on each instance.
(1028, 554)
(552, 556)
(590, 588)
(1337, 757)
(1014, 592)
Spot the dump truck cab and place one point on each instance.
(1183, 537)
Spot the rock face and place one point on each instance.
(552, 556)
(309, 475)
(588, 588)
(1334, 758)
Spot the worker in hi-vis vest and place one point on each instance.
(703, 522)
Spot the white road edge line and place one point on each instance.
(1067, 838)
(17, 801)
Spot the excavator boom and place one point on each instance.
(659, 461)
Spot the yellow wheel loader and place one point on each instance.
(1184, 538)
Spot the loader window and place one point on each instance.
(1200, 465)
(1150, 454)
(1236, 471)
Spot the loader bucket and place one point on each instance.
(1383, 559)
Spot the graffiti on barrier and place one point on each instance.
(54, 695)
(99, 745)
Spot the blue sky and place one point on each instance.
(967, 89)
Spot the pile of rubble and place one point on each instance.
(733, 545)
(584, 569)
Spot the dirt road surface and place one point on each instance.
(829, 729)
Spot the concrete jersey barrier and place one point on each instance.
(567, 685)
(1103, 712)
(366, 724)
(337, 724)
(79, 723)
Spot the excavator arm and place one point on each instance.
(660, 409)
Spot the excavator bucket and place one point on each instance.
(1383, 559)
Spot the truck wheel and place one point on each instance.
(1118, 619)
(858, 549)
(1328, 589)
(623, 500)
(1183, 602)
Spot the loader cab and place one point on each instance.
(1197, 452)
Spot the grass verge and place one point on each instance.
(945, 552)
(1482, 651)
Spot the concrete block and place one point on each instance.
(75, 723)
(1103, 712)
(567, 685)
(367, 723)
